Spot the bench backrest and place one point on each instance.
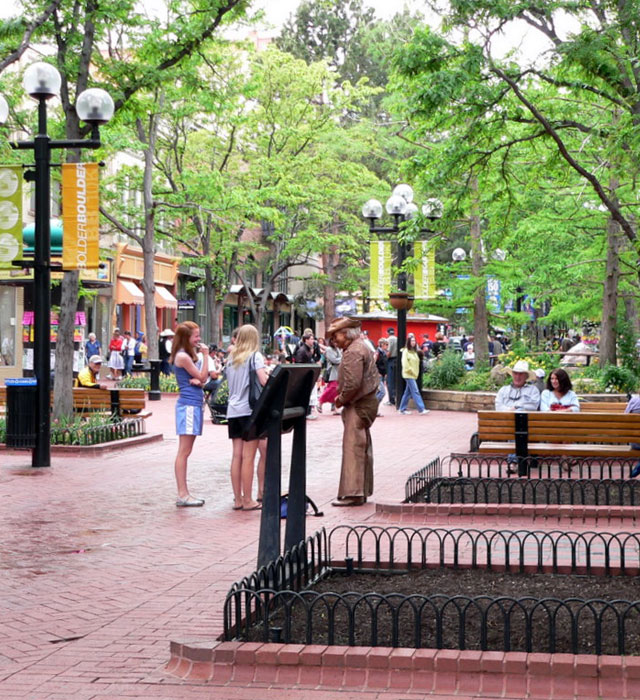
(97, 399)
(588, 428)
(602, 406)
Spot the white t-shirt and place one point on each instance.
(238, 380)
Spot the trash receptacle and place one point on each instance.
(21, 412)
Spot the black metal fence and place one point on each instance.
(415, 484)
(97, 434)
(275, 603)
(486, 465)
(596, 492)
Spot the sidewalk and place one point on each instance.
(100, 570)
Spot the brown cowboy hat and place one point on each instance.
(341, 324)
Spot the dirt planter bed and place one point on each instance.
(384, 556)
(484, 590)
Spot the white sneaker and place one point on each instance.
(406, 413)
(423, 412)
(312, 417)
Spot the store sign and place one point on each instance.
(80, 216)
(10, 215)
(186, 304)
(380, 269)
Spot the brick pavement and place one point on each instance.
(100, 570)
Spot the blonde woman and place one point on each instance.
(243, 354)
(191, 374)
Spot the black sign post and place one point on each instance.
(282, 407)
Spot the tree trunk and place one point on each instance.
(480, 318)
(608, 333)
(148, 242)
(62, 397)
(631, 312)
(329, 261)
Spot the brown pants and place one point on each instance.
(356, 477)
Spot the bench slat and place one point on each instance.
(579, 433)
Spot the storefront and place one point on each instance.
(128, 311)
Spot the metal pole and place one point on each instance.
(402, 318)
(41, 456)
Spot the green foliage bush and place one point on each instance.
(476, 380)
(168, 384)
(3, 430)
(627, 350)
(446, 372)
(618, 380)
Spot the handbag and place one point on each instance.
(255, 388)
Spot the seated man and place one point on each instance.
(88, 376)
(519, 396)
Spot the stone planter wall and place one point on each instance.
(473, 401)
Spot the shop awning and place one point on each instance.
(164, 298)
(128, 293)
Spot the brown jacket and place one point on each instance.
(357, 374)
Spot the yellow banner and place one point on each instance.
(380, 269)
(10, 215)
(80, 216)
(424, 276)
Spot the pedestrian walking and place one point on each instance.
(410, 373)
(191, 375)
(116, 360)
(358, 381)
(243, 356)
(392, 357)
(92, 346)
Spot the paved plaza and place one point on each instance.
(100, 571)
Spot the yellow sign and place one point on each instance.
(380, 270)
(80, 216)
(10, 214)
(424, 276)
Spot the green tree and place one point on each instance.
(130, 52)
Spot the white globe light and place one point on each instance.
(372, 209)
(404, 191)
(95, 106)
(458, 255)
(412, 211)
(432, 208)
(4, 110)
(396, 205)
(499, 254)
(42, 80)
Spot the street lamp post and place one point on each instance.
(94, 106)
(400, 207)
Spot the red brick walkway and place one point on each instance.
(99, 570)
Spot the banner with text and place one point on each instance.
(424, 276)
(80, 216)
(10, 214)
(380, 270)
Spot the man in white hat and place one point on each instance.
(519, 396)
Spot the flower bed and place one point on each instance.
(93, 430)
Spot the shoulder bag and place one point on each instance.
(255, 388)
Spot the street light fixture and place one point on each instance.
(42, 81)
(401, 207)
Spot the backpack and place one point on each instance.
(284, 506)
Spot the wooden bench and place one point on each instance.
(117, 402)
(552, 433)
(603, 406)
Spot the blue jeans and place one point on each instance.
(411, 391)
(128, 364)
(382, 390)
(391, 379)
